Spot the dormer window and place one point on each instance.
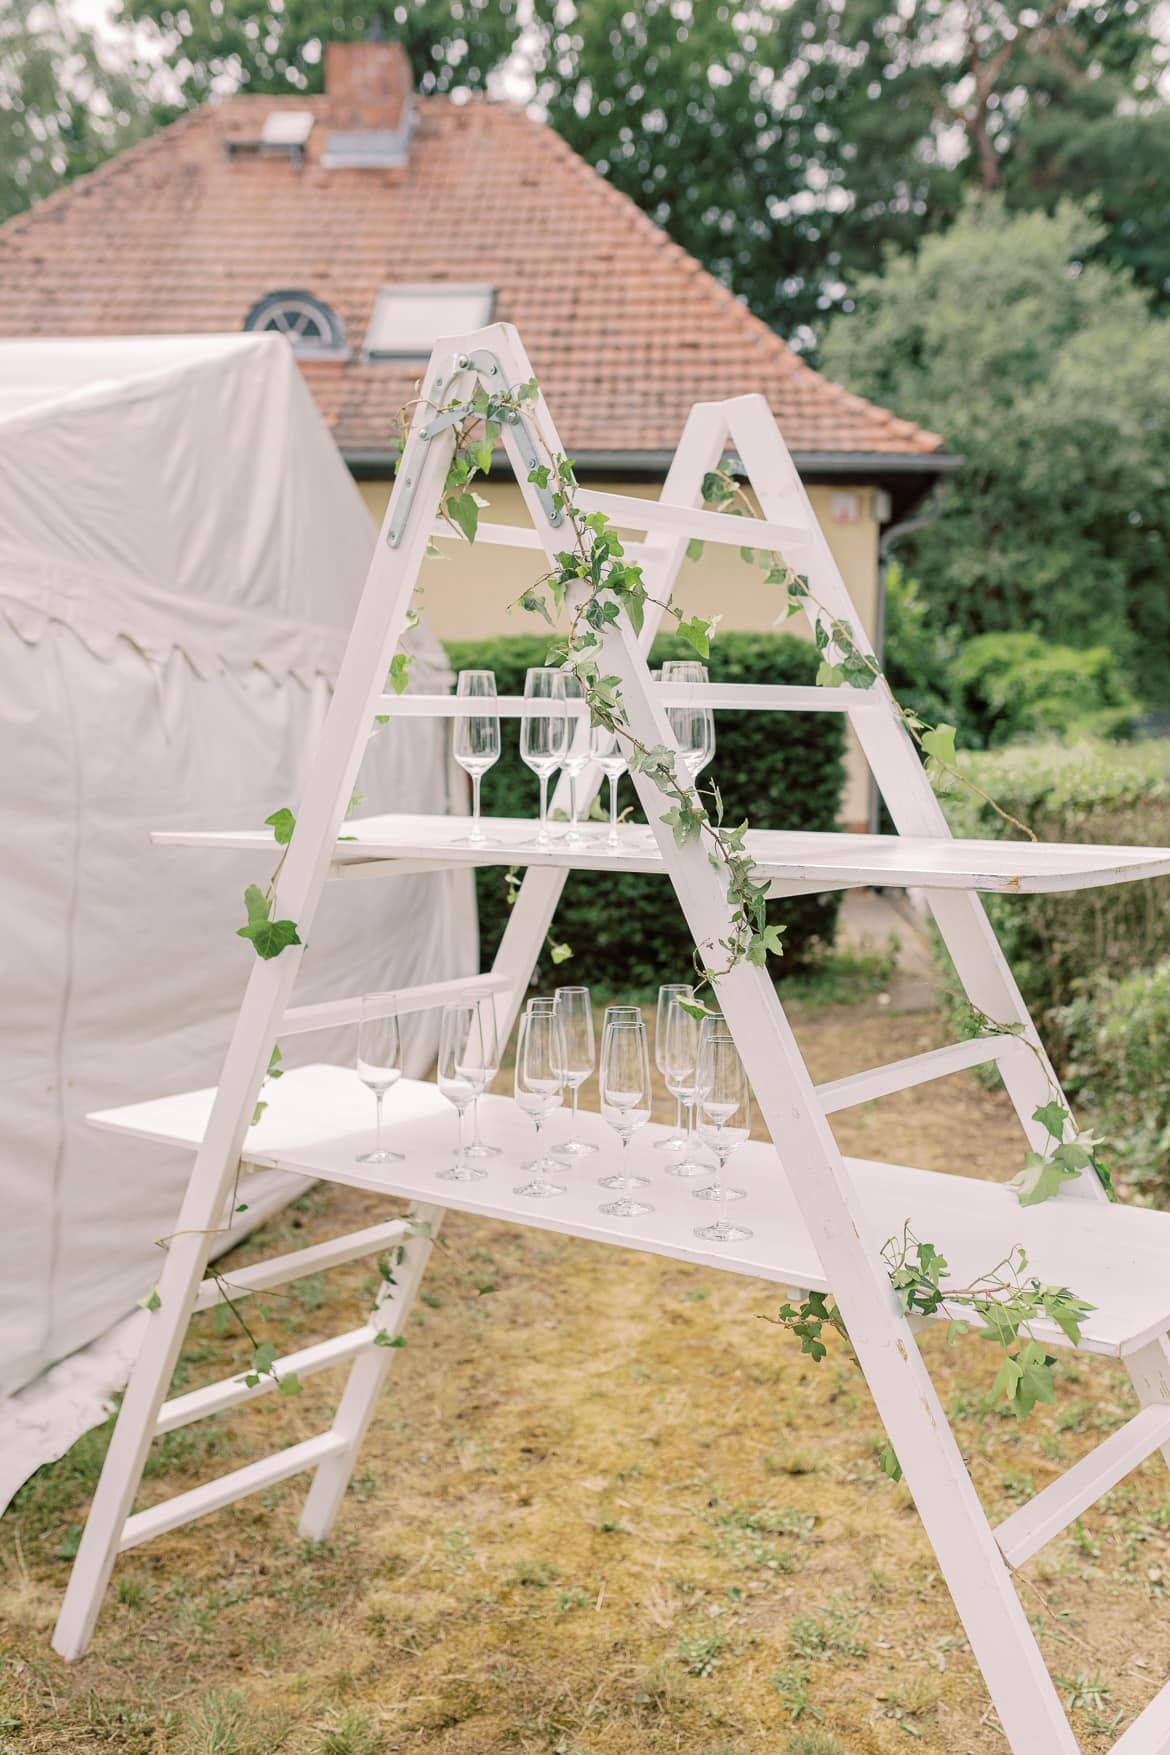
(310, 327)
(408, 320)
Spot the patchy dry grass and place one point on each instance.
(603, 1510)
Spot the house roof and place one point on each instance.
(182, 234)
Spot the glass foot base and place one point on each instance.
(720, 1191)
(538, 1188)
(474, 841)
(574, 1148)
(618, 1181)
(676, 1143)
(461, 1173)
(383, 1157)
(688, 1167)
(626, 1209)
(723, 1232)
(479, 1150)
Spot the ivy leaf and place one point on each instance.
(716, 487)
(152, 1301)
(275, 1070)
(383, 1339)
(539, 475)
(463, 511)
(697, 633)
(939, 744)
(695, 548)
(534, 602)
(261, 1106)
(560, 953)
(483, 456)
(399, 673)
(1040, 1179)
(693, 1008)
(685, 824)
(888, 1462)
(289, 1384)
(1052, 1117)
(268, 937)
(829, 676)
(264, 1357)
(765, 944)
(282, 823)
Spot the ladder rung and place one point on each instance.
(523, 536)
(262, 1276)
(216, 1398)
(1029, 1529)
(725, 697)
(477, 706)
(214, 1495)
(916, 1069)
(651, 515)
(298, 1020)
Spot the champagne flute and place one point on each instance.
(574, 1008)
(477, 1147)
(693, 727)
(680, 1054)
(575, 759)
(461, 1075)
(543, 732)
(540, 1054)
(476, 741)
(619, 1014)
(725, 1109)
(379, 1062)
(605, 747)
(674, 1142)
(625, 1105)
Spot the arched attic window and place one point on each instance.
(310, 327)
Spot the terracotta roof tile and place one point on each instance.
(624, 329)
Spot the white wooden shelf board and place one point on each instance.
(320, 1117)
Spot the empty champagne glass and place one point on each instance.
(674, 1142)
(379, 1062)
(461, 1075)
(625, 1105)
(680, 1054)
(574, 1008)
(606, 748)
(477, 741)
(693, 727)
(576, 756)
(477, 1147)
(619, 1014)
(540, 1054)
(543, 732)
(725, 1109)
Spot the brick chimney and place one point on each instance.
(369, 85)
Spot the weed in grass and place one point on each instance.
(660, 1689)
(216, 1725)
(914, 1698)
(348, 1733)
(457, 1548)
(535, 1572)
(700, 1650)
(833, 1634)
(696, 1295)
(567, 1600)
(799, 1460)
(814, 1743)
(131, 1592)
(791, 1685)
(1018, 1486)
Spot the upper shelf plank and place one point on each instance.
(822, 860)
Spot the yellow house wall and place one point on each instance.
(467, 592)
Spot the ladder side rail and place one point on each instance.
(378, 626)
(976, 1573)
(899, 773)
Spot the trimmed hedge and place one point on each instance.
(779, 770)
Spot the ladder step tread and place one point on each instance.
(328, 1014)
(915, 1069)
(225, 1489)
(216, 1398)
(1052, 1510)
(262, 1276)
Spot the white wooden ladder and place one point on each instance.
(824, 1218)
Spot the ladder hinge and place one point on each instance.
(487, 367)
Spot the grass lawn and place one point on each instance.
(604, 1509)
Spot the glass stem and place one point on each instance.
(475, 780)
(539, 1164)
(720, 1151)
(678, 1115)
(543, 836)
(573, 1089)
(475, 1139)
(613, 786)
(572, 798)
(378, 1095)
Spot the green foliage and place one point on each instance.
(1111, 794)
(1020, 685)
(1117, 1031)
(66, 102)
(626, 931)
(268, 937)
(1048, 372)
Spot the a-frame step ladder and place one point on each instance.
(818, 1221)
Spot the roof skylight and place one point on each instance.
(408, 320)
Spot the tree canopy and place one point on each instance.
(1049, 372)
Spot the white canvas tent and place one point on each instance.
(181, 555)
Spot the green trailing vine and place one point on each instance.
(1003, 1304)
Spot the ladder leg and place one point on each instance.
(364, 1383)
(1149, 1372)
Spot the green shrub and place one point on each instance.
(779, 770)
(1013, 685)
(1111, 794)
(1118, 1036)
